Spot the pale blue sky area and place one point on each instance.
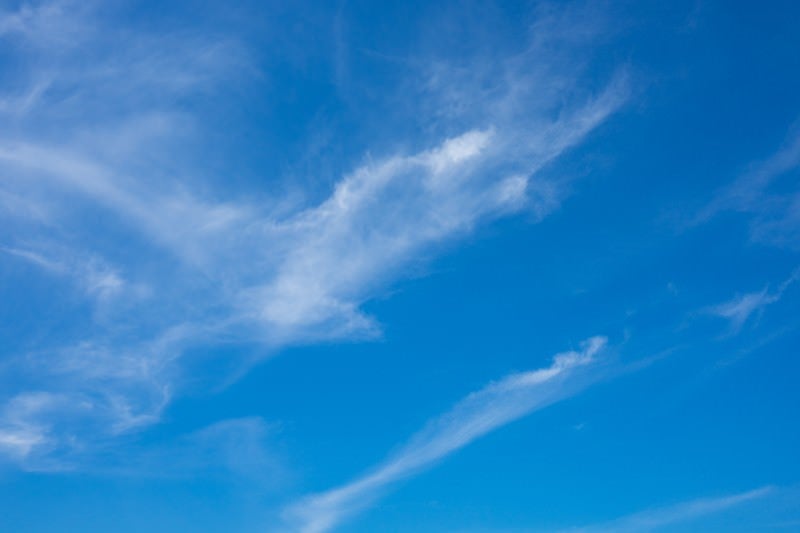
(460, 266)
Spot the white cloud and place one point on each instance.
(659, 518)
(233, 448)
(768, 194)
(18, 442)
(121, 203)
(23, 429)
(739, 309)
(35, 258)
(481, 412)
(90, 274)
(375, 220)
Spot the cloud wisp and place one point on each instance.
(480, 413)
(662, 517)
(178, 262)
(768, 194)
(741, 308)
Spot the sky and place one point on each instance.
(445, 266)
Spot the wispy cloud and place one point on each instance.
(20, 433)
(202, 265)
(242, 444)
(768, 193)
(659, 518)
(35, 258)
(95, 278)
(739, 309)
(481, 412)
(238, 449)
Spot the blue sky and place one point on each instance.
(393, 266)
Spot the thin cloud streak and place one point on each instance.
(656, 519)
(238, 449)
(739, 309)
(201, 267)
(481, 412)
(774, 211)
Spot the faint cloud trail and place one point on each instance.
(122, 205)
(481, 412)
(658, 518)
(774, 211)
(739, 309)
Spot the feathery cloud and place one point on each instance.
(739, 309)
(176, 262)
(481, 412)
(768, 193)
(658, 518)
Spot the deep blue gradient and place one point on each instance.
(256, 262)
